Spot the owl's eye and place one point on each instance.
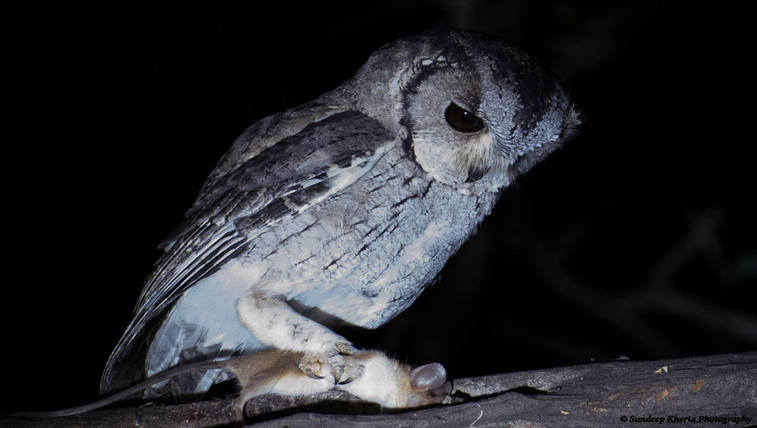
(462, 120)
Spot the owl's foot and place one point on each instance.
(315, 366)
(346, 369)
(335, 363)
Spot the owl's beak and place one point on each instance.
(570, 125)
(526, 161)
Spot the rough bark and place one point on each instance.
(716, 390)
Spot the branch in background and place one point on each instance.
(627, 311)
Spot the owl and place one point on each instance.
(342, 210)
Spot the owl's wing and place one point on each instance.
(283, 179)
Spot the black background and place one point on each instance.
(636, 239)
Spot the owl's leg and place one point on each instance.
(326, 358)
(276, 324)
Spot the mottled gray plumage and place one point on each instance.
(349, 205)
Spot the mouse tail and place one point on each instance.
(124, 393)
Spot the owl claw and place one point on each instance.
(346, 381)
(343, 368)
(314, 366)
(346, 370)
(310, 374)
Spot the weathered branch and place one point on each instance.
(718, 386)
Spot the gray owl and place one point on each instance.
(343, 210)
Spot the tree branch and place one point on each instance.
(717, 386)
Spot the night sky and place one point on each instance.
(638, 238)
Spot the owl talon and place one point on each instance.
(312, 375)
(345, 381)
(314, 366)
(345, 369)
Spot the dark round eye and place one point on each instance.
(462, 120)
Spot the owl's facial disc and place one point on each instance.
(481, 116)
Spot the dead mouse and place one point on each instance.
(370, 375)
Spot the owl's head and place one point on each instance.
(472, 111)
